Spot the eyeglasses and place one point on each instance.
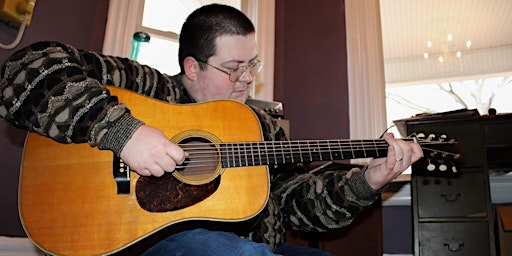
(236, 73)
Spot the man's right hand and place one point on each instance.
(149, 152)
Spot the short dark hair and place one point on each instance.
(204, 25)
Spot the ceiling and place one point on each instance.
(408, 24)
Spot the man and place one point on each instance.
(55, 90)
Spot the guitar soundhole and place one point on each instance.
(202, 164)
(166, 193)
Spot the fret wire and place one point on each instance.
(228, 154)
(375, 145)
(290, 148)
(252, 151)
(288, 153)
(341, 150)
(275, 154)
(309, 150)
(351, 148)
(246, 158)
(261, 153)
(330, 151)
(233, 154)
(239, 154)
(248, 153)
(282, 151)
(291, 151)
(319, 151)
(228, 159)
(267, 153)
(240, 151)
(229, 150)
(300, 152)
(225, 155)
(364, 150)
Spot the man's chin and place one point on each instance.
(241, 97)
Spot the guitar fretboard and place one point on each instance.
(278, 152)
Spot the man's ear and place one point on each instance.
(191, 67)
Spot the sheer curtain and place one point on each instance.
(365, 69)
(123, 17)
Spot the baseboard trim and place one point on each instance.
(17, 246)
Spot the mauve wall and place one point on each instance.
(311, 68)
(80, 23)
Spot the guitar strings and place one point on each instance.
(208, 154)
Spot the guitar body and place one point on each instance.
(68, 200)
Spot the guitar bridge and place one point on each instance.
(121, 172)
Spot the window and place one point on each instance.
(481, 93)
(162, 50)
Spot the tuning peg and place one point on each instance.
(443, 167)
(454, 169)
(430, 166)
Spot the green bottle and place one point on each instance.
(138, 39)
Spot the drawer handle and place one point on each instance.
(454, 245)
(451, 196)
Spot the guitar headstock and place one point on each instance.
(441, 155)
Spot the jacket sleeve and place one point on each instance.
(55, 90)
(326, 199)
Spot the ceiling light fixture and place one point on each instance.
(445, 49)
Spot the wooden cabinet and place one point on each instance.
(452, 211)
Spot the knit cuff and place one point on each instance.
(361, 187)
(120, 133)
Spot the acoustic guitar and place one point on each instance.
(78, 200)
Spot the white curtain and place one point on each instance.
(367, 98)
(262, 14)
(123, 17)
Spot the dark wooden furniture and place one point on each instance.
(452, 212)
(504, 229)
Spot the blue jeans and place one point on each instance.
(201, 242)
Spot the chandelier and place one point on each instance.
(446, 48)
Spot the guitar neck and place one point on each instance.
(279, 152)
